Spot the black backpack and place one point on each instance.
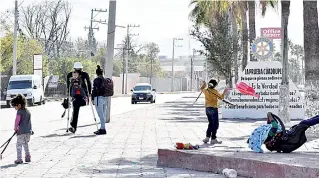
(288, 141)
(106, 88)
(77, 87)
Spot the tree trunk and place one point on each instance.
(284, 88)
(311, 48)
(235, 44)
(311, 40)
(244, 39)
(252, 28)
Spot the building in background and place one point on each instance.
(182, 66)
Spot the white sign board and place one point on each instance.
(53, 83)
(38, 72)
(37, 62)
(265, 78)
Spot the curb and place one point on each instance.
(244, 166)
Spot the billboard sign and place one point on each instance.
(271, 33)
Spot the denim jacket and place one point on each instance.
(258, 137)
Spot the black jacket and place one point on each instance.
(97, 82)
(86, 80)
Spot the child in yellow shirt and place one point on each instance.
(211, 103)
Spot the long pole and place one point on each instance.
(128, 54)
(151, 75)
(110, 51)
(123, 63)
(15, 36)
(206, 69)
(91, 34)
(172, 82)
(192, 70)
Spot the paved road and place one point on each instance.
(128, 150)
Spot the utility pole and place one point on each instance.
(128, 50)
(173, 55)
(206, 79)
(151, 75)
(15, 38)
(110, 52)
(123, 64)
(192, 69)
(91, 28)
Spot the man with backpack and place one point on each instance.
(102, 88)
(79, 87)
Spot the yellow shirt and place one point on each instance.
(212, 96)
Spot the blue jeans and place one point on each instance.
(100, 106)
(311, 122)
(212, 116)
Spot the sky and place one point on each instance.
(160, 21)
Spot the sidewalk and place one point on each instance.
(129, 150)
(131, 147)
(234, 151)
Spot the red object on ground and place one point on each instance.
(246, 89)
(179, 145)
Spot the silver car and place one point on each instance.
(143, 92)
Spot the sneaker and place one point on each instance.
(215, 141)
(100, 132)
(206, 140)
(18, 161)
(71, 129)
(28, 159)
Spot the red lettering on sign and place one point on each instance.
(271, 33)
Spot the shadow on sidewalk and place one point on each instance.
(184, 111)
(81, 126)
(83, 136)
(245, 137)
(8, 166)
(57, 135)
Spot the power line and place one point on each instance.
(91, 28)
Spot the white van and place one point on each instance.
(28, 85)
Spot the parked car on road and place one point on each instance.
(28, 85)
(143, 92)
(2, 97)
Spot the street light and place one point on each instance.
(174, 39)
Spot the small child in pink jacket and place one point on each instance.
(23, 128)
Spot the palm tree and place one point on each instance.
(284, 90)
(244, 29)
(311, 48)
(252, 28)
(204, 10)
(311, 40)
(201, 12)
(209, 14)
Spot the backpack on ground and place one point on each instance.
(106, 88)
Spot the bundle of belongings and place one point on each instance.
(186, 146)
(287, 140)
(281, 140)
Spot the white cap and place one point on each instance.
(77, 65)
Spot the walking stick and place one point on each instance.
(69, 105)
(197, 98)
(6, 143)
(87, 87)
